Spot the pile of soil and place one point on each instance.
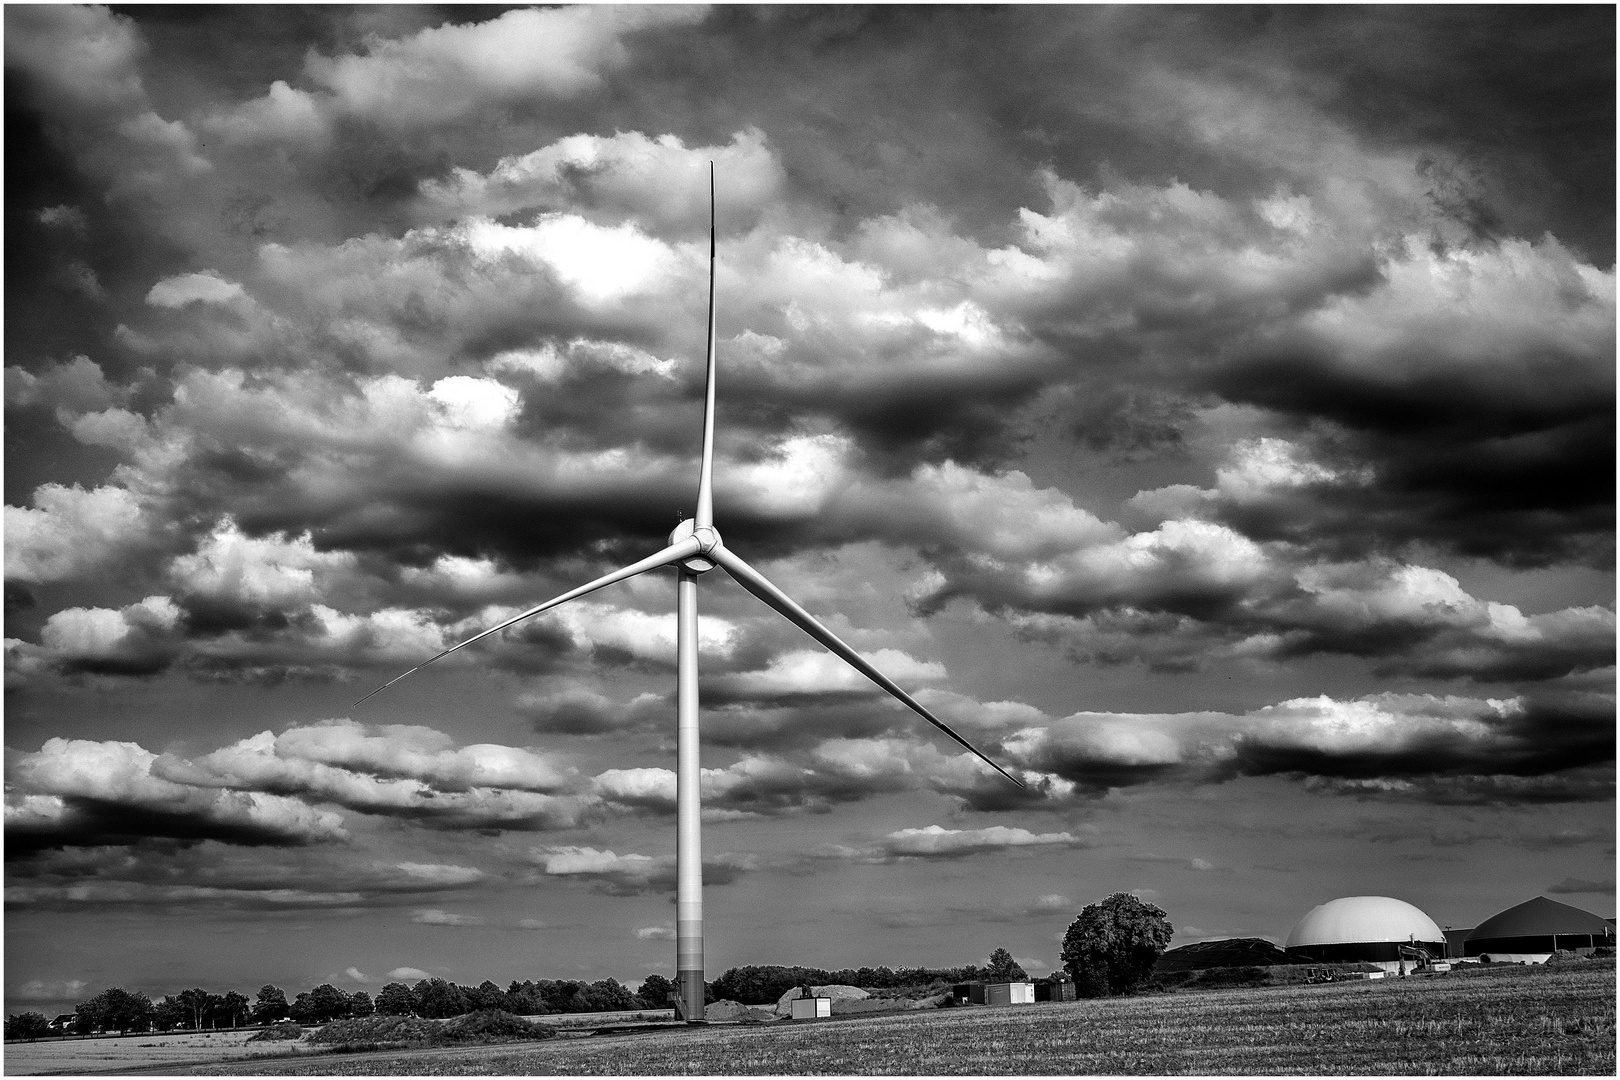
(485, 1025)
(278, 1033)
(377, 1029)
(733, 1011)
(844, 1006)
(1230, 953)
(834, 991)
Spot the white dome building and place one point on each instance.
(1365, 929)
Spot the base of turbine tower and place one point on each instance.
(689, 997)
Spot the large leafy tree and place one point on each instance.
(121, 1010)
(526, 999)
(437, 999)
(195, 1002)
(28, 1025)
(486, 995)
(325, 1002)
(606, 995)
(231, 1009)
(170, 1015)
(396, 999)
(1111, 946)
(271, 1005)
(654, 992)
(1003, 968)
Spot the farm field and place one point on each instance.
(131, 1052)
(1512, 1021)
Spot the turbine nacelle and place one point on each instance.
(707, 537)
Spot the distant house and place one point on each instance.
(62, 1023)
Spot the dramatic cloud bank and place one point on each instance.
(1205, 411)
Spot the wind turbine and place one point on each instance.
(694, 549)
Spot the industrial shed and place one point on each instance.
(1377, 930)
(1532, 931)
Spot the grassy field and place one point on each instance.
(1497, 1021)
(1513, 1021)
(129, 1052)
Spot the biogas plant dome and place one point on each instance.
(1364, 928)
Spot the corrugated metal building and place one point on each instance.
(1532, 931)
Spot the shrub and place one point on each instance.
(377, 1029)
(395, 999)
(28, 1025)
(278, 1032)
(371, 1032)
(1212, 978)
(493, 1024)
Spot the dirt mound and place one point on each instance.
(725, 1010)
(1231, 952)
(839, 993)
(485, 1025)
(377, 1029)
(493, 1024)
(845, 1006)
(834, 991)
(278, 1033)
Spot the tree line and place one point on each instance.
(765, 984)
(130, 1011)
(1110, 948)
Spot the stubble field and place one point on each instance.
(1506, 1021)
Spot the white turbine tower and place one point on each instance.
(694, 549)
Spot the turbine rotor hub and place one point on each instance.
(707, 537)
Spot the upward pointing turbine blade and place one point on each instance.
(684, 549)
(705, 498)
(756, 583)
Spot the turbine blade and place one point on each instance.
(705, 498)
(685, 549)
(756, 583)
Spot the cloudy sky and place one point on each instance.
(1209, 412)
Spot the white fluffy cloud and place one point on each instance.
(816, 672)
(442, 72)
(273, 571)
(408, 772)
(938, 842)
(632, 874)
(204, 287)
(76, 790)
(70, 532)
(439, 917)
(660, 183)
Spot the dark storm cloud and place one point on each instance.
(1577, 785)
(1552, 747)
(211, 875)
(82, 793)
